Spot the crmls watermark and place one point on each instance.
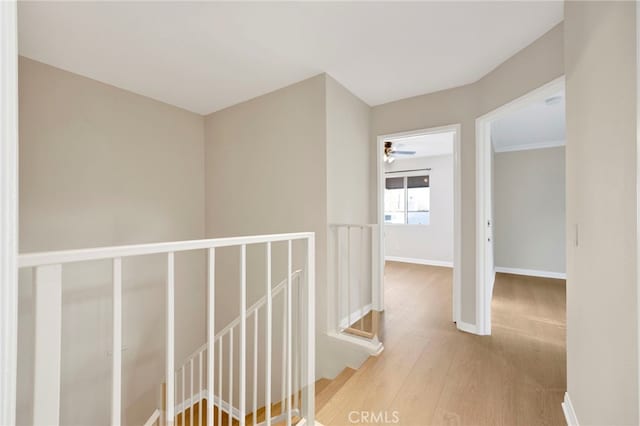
(381, 417)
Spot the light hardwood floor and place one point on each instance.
(432, 374)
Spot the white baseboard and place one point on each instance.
(569, 413)
(532, 273)
(466, 327)
(442, 263)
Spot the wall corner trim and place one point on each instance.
(569, 412)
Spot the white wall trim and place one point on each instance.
(529, 146)
(373, 347)
(637, 199)
(217, 401)
(8, 210)
(569, 412)
(457, 204)
(354, 316)
(485, 272)
(153, 418)
(532, 273)
(466, 327)
(417, 261)
(224, 406)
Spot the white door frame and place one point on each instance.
(8, 210)
(485, 273)
(457, 202)
(637, 189)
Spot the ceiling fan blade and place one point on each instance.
(404, 152)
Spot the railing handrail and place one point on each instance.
(261, 302)
(102, 253)
(153, 418)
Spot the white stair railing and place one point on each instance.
(190, 375)
(357, 278)
(154, 418)
(48, 313)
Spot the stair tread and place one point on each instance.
(333, 387)
(325, 412)
(321, 384)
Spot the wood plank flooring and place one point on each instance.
(432, 374)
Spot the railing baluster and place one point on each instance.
(170, 367)
(200, 389)
(283, 371)
(348, 277)
(211, 332)
(375, 268)
(243, 334)
(183, 403)
(375, 281)
(363, 288)
(116, 366)
(296, 334)
(339, 279)
(174, 402)
(289, 334)
(310, 309)
(255, 367)
(269, 337)
(191, 395)
(230, 408)
(219, 382)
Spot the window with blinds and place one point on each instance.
(407, 200)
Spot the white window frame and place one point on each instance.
(405, 175)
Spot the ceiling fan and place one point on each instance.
(390, 152)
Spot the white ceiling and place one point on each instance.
(537, 125)
(205, 56)
(425, 145)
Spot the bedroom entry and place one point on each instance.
(418, 206)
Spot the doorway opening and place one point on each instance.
(520, 165)
(419, 198)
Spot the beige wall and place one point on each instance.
(348, 121)
(602, 302)
(101, 166)
(266, 171)
(529, 209)
(528, 69)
